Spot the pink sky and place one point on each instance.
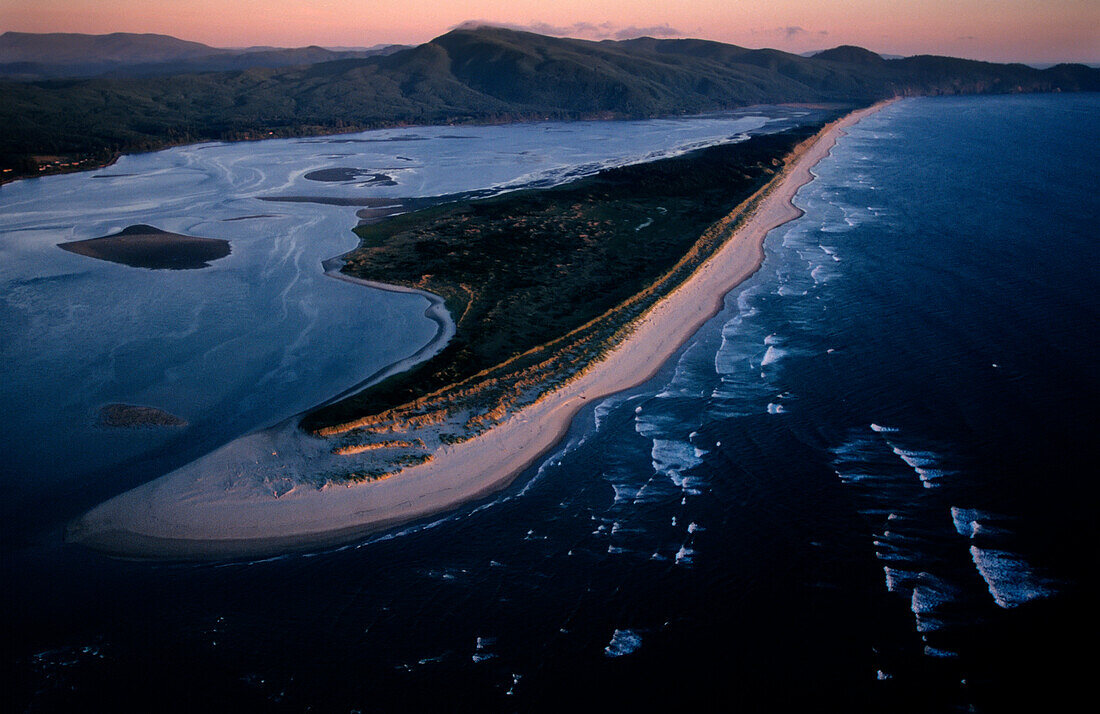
(997, 30)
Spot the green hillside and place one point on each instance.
(478, 75)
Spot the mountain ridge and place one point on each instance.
(482, 75)
(28, 57)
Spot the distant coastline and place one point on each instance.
(195, 514)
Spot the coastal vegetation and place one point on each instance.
(541, 284)
(468, 75)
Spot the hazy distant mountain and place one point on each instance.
(121, 47)
(28, 56)
(850, 55)
(479, 75)
(816, 53)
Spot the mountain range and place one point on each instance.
(482, 74)
(26, 56)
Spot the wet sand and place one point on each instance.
(208, 510)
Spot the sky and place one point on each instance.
(997, 30)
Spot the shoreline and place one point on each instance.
(436, 312)
(202, 512)
(386, 126)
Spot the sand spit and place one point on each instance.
(217, 508)
(144, 246)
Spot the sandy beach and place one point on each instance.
(213, 508)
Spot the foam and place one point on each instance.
(672, 458)
(888, 551)
(772, 355)
(922, 462)
(898, 580)
(854, 477)
(1010, 579)
(481, 652)
(599, 414)
(656, 425)
(624, 492)
(858, 447)
(930, 594)
(623, 642)
(685, 555)
(644, 494)
(966, 520)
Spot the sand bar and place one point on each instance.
(211, 509)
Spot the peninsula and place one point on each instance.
(421, 443)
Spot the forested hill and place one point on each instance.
(26, 56)
(469, 75)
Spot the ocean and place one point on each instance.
(860, 487)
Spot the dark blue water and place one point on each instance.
(864, 486)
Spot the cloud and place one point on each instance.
(583, 30)
(652, 31)
(787, 32)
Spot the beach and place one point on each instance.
(207, 510)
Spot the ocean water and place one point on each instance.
(863, 486)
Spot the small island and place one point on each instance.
(142, 246)
(130, 416)
(343, 174)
